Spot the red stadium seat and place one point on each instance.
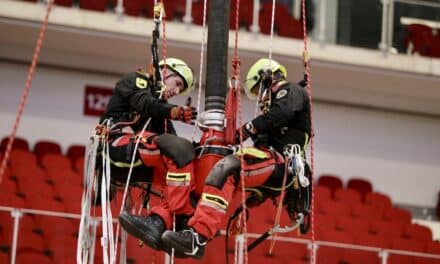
(407, 245)
(143, 254)
(95, 5)
(397, 214)
(378, 200)
(290, 27)
(44, 147)
(421, 37)
(372, 240)
(331, 181)
(365, 211)
(63, 248)
(44, 203)
(63, 2)
(11, 199)
(138, 7)
(418, 232)
(197, 13)
(32, 257)
(352, 225)
(348, 196)
(76, 151)
(55, 164)
(363, 186)
(334, 208)
(18, 143)
(8, 184)
(322, 193)
(435, 52)
(245, 15)
(367, 257)
(384, 228)
(22, 158)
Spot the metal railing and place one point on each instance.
(383, 253)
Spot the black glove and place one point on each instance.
(303, 82)
(248, 130)
(186, 114)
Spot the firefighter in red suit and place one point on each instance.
(135, 102)
(285, 119)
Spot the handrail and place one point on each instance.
(419, 2)
(16, 213)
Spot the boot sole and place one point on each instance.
(132, 229)
(169, 242)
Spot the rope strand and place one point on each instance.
(26, 88)
(312, 133)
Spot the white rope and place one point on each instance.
(85, 239)
(202, 52)
(272, 25)
(124, 197)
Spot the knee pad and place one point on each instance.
(229, 165)
(180, 150)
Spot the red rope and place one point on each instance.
(312, 133)
(27, 87)
(236, 77)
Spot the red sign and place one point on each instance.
(96, 100)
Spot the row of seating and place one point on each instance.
(43, 147)
(284, 24)
(421, 39)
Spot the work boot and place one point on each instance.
(186, 242)
(148, 229)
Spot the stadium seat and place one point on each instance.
(44, 147)
(370, 240)
(322, 193)
(378, 200)
(63, 2)
(54, 225)
(44, 203)
(11, 199)
(327, 254)
(139, 7)
(396, 214)
(245, 15)
(331, 181)
(290, 27)
(435, 52)
(365, 211)
(352, 225)
(75, 151)
(385, 228)
(334, 208)
(95, 5)
(142, 254)
(32, 257)
(347, 196)
(20, 159)
(63, 249)
(421, 38)
(417, 232)
(407, 245)
(8, 184)
(363, 186)
(18, 143)
(197, 13)
(32, 182)
(4, 257)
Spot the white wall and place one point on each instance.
(399, 153)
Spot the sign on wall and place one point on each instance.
(96, 99)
